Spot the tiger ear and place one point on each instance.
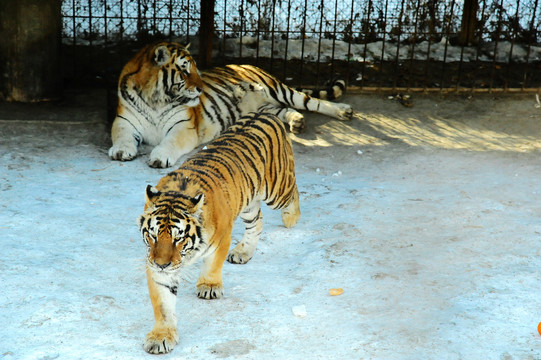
(187, 46)
(152, 193)
(161, 55)
(198, 201)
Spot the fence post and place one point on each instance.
(469, 22)
(30, 50)
(206, 33)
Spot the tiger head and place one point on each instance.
(162, 74)
(171, 229)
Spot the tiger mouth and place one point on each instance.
(170, 270)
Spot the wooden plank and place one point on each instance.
(206, 33)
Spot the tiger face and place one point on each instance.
(171, 230)
(177, 79)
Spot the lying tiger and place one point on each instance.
(164, 101)
(189, 215)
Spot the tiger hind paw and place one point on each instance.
(345, 112)
(209, 292)
(239, 255)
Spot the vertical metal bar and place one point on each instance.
(415, 28)
(348, 65)
(90, 22)
(105, 22)
(187, 19)
(496, 46)
(462, 46)
(108, 75)
(532, 31)
(478, 50)
(74, 62)
(397, 61)
(122, 56)
(383, 44)
(284, 76)
(242, 26)
(154, 23)
(303, 36)
(363, 66)
(90, 50)
(334, 36)
(321, 9)
(225, 27)
(272, 36)
(73, 22)
(170, 8)
(139, 15)
(427, 61)
(509, 62)
(121, 21)
(257, 32)
(447, 34)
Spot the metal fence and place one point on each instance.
(489, 45)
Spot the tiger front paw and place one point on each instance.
(345, 112)
(161, 340)
(209, 292)
(123, 152)
(161, 158)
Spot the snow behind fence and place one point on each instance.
(354, 32)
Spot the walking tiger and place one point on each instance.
(190, 213)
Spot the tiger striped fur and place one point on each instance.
(164, 101)
(190, 213)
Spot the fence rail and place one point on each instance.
(373, 44)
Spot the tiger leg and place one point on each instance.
(301, 101)
(180, 140)
(209, 284)
(290, 116)
(125, 138)
(244, 250)
(163, 337)
(338, 111)
(291, 213)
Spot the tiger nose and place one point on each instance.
(162, 266)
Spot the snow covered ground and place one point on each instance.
(428, 218)
(325, 50)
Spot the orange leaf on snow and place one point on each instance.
(336, 292)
